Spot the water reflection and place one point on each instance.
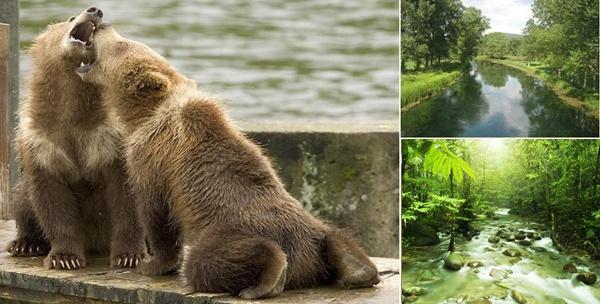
(496, 101)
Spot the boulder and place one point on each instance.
(570, 267)
(474, 264)
(524, 242)
(511, 252)
(510, 237)
(520, 236)
(498, 274)
(454, 261)
(537, 237)
(413, 291)
(518, 297)
(588, 278)
(493, 239)
(420, 234)
(529, 235)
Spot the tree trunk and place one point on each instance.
(451, 244)
(596, 172)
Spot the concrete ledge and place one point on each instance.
(346, 173)
(24, 280)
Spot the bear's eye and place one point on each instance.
(72, 18)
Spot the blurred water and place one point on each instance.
(277, 59)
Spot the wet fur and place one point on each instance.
(71, 197)
(200, 182)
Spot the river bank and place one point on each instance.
(510, 260)
(539, 74)
(416, 87)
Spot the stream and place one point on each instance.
(492, 100)
(538, 274)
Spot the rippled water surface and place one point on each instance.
(276, 59)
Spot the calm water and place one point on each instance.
(494, 100)
(275, 59)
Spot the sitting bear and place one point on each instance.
(71, 197)
(200, 182)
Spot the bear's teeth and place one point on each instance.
(81, 64)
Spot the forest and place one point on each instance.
(559, 44)
(525, 213)
(439, 38)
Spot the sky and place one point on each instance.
(508, 16)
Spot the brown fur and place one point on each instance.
(71, 197)
(193, 171)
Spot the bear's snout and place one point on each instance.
(94, 12)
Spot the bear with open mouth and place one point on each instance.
(200, 182)
(72, 197)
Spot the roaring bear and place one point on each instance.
(200, 182)
(72, 196)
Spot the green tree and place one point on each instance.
(472, 24)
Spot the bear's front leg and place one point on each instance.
(127, 240)
(58, 214)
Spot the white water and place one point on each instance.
(537, 275)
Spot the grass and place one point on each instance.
(567, 92)
(419, 85)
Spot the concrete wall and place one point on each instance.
(346, 173)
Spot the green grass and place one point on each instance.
(420, 85)
(567, 92)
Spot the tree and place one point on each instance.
(472, 24)
(495, 45)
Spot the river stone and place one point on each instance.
(488, 249)
(480, 301)
(475, 264)
(538, 249)
(570, 267)
(520, 236)
(498, 274)
(524, 242)
(511, 252)
(410, 299)
(588, 278)
(510, 237)
(413, 291)
(529, 234)
(518, 297)
(427, 275)
(420, 234)
(537, 237)
(494, 239)
(454, 261)
(514, 260)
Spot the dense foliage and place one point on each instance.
(448, 184)
(436, 30)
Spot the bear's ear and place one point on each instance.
(147, 84)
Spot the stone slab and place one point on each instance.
(24, 280)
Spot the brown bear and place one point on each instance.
(200, 182)
(71, 197)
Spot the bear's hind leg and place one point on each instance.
(352, 267)
(225, 261)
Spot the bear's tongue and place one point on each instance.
(83, 32)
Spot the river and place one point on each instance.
(492, 100)
(286, 60)
(538, 274)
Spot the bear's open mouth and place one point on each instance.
(83, 33)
